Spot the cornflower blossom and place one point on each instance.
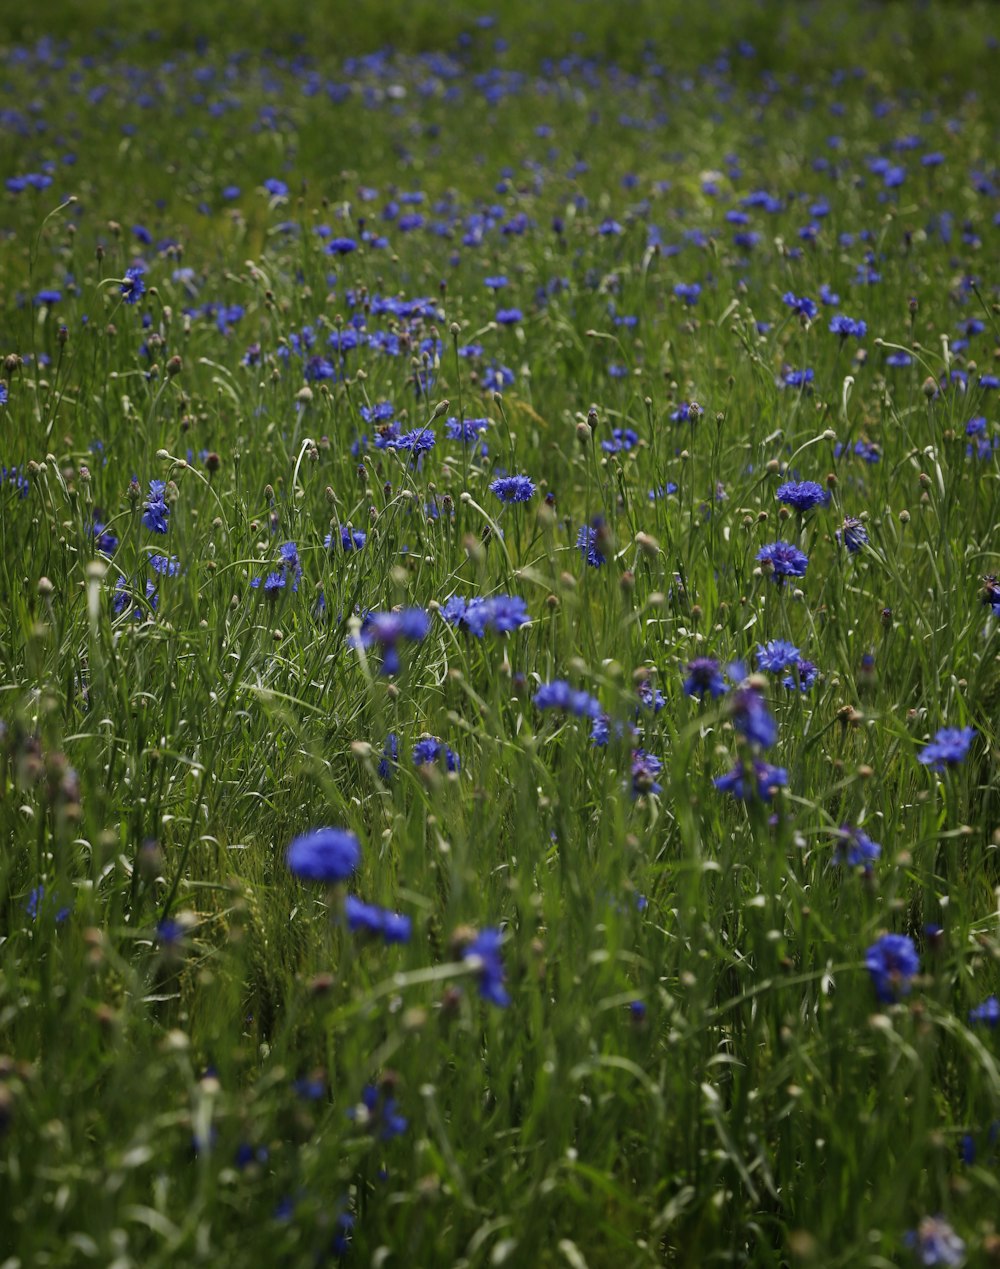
(483, 954)
(328, 855)
(155, 512)
(559, 695)
(758, 780)
(776, 655)
(803, 495)
(785, 560)
(428, 751)
(892, 962)
(948, 747)
(513, 488)
(367, 918)
(704, 676)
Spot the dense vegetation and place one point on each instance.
(498, 633)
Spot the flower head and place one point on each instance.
(588, 541)
(988, 1013)
(948, 748)
(758, 780)
(776, 655)
(484, 954)
(366, 918)
(803, 495)
(936, 1243)
(429, 750)
(784, 559)
(892, 962)
(132, 286)
(513, 488)
(155, 511)
(704, 676)
(854, 535)
(559, 695)
(329, 855)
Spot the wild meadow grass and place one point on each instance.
(499, 640)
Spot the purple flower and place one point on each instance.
(390, 756)
(387, 629)
(155, 511)
(803, 676)
(892, 962)
(587, 540)
(645, 769)
(329, 855)
(949, 747)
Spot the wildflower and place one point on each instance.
(465, 430)
(892, 962)
(988, 1012)
(854, 535)
(803, 495)
(622, 438)
(650, 697)
(329, 855)
(854, 847)
(801, 305)
(645, 768)
(776, 655)
(122, 597)
(785, 560)
(509, 316)
(378, 1109)
(704, 676)
(846, 327)
(166, 566)
(428, 750)
(369, 919)
(132, 286)
(513, 488)
(390, 756)
(155, 511)
(791, 378)
(417, 441)
(763, 781)
(387, 629)
(349, 539)
(751, 718)
(559, 695)
(991, 593)
(483, 953)
(936, 1243)
(587, 540)
(341, 246)
(803, 676)
(949, 747)
(103, 539)
(689, 292)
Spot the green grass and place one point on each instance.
(694, 1067)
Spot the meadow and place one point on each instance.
(499, 657)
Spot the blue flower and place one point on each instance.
(854, 847)
(368, 919)
(559, 695)
(688, 292)
(751, 718)
(513, 488)
(801, 304)
(704, 676)
(804, 675)
(341, 246)
(949, 747)
(763, 781)
(776, 655)
(329, 855)
(622, 438)
(417, 441)
(378, 1109)
(132, 286)
(428, 750)
(936, 1243)
(785, 560)
(587, 541)
(846, 327)
(645, 768)
(892, 962)
(483, 953)
(803, 495)
(349, 539)
(987, 1013)
(387, 629)
(166, 566)
(390, 756)
(465, 430)
(509, 316)
(854, 535)
(155, 511)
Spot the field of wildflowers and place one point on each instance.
(499, 655)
